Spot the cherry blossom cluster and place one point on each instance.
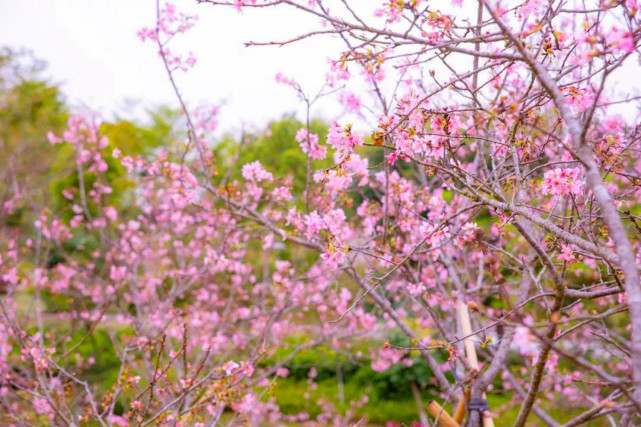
(169, 24)
(560, 182)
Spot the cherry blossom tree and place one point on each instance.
(489, 168)
(517, 189)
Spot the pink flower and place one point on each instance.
(53, 139)
(280, 78)
(43, 407)
(334, 180)
(111, 213)
(620, 41)
(118, 420)
(333, 258)
(386, 358)
(343, 139)
(558, 182)
(351, 101)
(567, 254)
(467, 233)
(282, 194)
(246, 369)
(68, 193)
(147, 33)
(309, 144)
(254, 171)
(579, 98)
(338, 71)
(313, 224)
(117, 272)
(391, 159)
(380, 365)
(313, 373)
(229, 367)
(318, 152)
(240, 3)
(282, 372)
(359, 166)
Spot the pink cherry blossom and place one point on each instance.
(560, 182)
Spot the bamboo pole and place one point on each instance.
(470, 351)
(442, 417)
(461, 409)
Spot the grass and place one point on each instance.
(291, 396)
(294, 396)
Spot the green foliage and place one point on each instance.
(290, 396)
(393, 383)
(389, 392)
(29, 107)
(97, 345)
(276, 148)
(134, 138)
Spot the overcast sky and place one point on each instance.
(92, 50)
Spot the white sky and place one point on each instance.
(92, 49)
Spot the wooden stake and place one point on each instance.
(470, 351)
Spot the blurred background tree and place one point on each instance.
(30, 106)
